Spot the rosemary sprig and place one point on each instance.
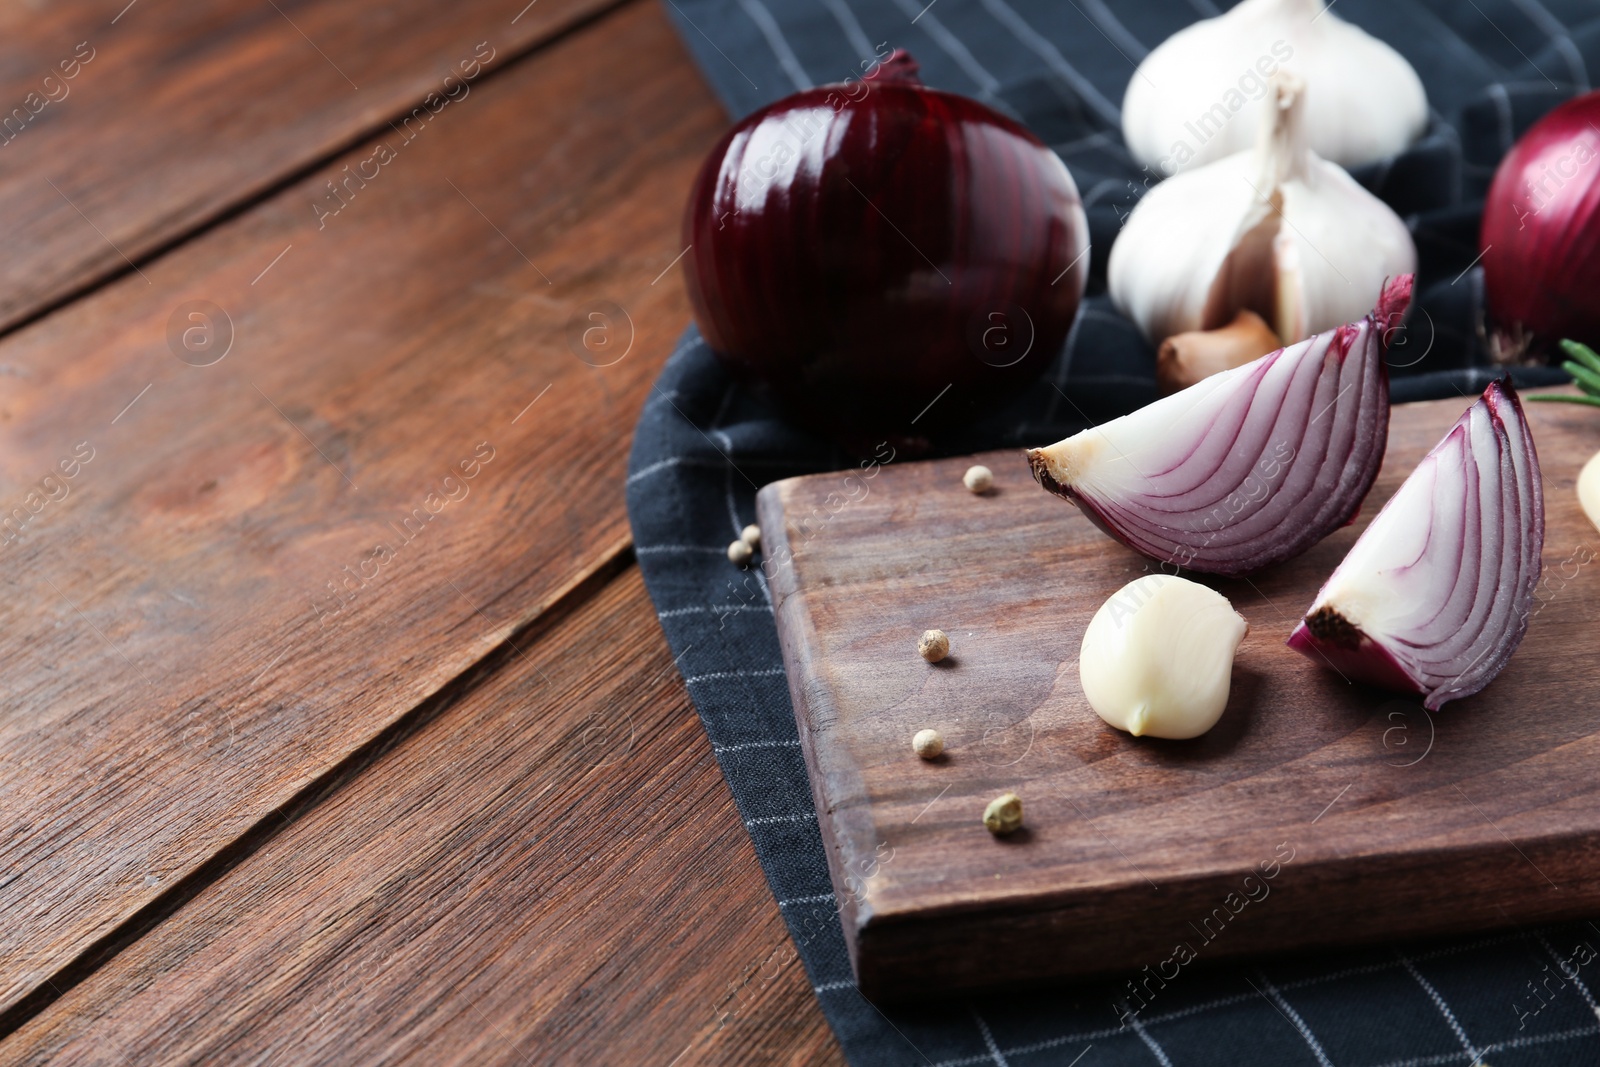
(1584, 366)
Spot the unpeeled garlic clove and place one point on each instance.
(1200, 95)
(1186, 358)
(1157, 658)
(1276, 230)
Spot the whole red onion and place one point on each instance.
(1541, 233)
(888, 259)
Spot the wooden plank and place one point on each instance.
(259, 565)
(550, 870)
(1316, 813)
(126, 126)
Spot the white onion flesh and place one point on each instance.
(1434, 597)
(1246, 468)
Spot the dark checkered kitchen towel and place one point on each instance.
(703, 446)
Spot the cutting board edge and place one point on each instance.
(789, 607)
(1116, 932)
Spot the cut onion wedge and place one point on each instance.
(1248, 467)
(1435, 595)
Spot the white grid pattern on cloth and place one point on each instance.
(1472, 1051)
(1533, 1040)
(706, 609)
(988, 1039)
(651, 550)
(1301, 983)
(758, 13)
(1559, 39)
(1295, 1020)
(1498, 1046)
(1575, 978)
(745, 746)
(989, 87)
(1154, 1046)
(1029, 38)
(1141, 1028)
(765, 672)
(768, 820)
(851, 26)
(1107, 23)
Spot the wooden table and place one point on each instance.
(337, 726)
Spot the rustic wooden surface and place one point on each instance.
(548, 870)
(181, 685)
(185, 112)
(1398, 822)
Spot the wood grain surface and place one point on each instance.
(125, 127)
(549, 870)
(1315, 813)
(257, 566)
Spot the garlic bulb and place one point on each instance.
(1157, 657)
(1277, 230)
(1200, 95)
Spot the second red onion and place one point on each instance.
(1540, 240)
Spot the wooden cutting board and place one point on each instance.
(1317, 812)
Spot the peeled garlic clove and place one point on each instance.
(1201, 94)
(1276, 230)
(1157, 657)
(1186, 358)
(1589, 489)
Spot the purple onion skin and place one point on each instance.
(1541, 233)
(1357, 656)
(857, 249)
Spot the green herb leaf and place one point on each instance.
(1550, 398)
(1583, 354)
(1588, 380)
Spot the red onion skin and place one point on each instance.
(1362, 661)
(1541, 233)
(858, 249)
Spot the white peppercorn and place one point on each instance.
(751, 535)
(739, 552)
(1003, 815)
(978, 479)
(928, 744)
(933, 645)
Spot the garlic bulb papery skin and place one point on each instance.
(1276, 230)
(1157, 658)
(1200, 95)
